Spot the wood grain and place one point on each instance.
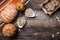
(39, 28)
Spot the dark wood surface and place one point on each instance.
(39, 28)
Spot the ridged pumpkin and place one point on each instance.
(9, 30)
(9, 13)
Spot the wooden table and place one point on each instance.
(42, 27)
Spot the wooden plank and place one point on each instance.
(39, 28)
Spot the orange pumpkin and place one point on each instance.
(20, 6)
(9, 30)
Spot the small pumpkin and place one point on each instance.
(9, 30)
(20, 6)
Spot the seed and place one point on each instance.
(53, 35)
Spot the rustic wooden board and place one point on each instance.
(39, 28)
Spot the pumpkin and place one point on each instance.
(9, 30)
(20, 6)
(9, 13)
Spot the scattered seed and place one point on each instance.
(58, 18)
(35, 33)
(53, 35)
(19, 30)
(57, 33)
